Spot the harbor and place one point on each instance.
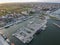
(20, 30)
(40, 39)
(51, 34)
(27, 28)
(27, 31)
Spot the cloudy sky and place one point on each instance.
(4, 1)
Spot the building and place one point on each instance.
(24, 13)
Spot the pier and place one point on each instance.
(26, 32)
(56, 25)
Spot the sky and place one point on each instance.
(6, 1)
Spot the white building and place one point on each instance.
(25, 13)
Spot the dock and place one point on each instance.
(26, 32)
(56, 25)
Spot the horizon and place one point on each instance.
(28, 1)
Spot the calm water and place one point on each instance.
(51, 36)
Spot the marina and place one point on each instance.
(27, 31)
(24, 31)
(46, 37)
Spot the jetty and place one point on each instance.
(56, 25)
(29, 28)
